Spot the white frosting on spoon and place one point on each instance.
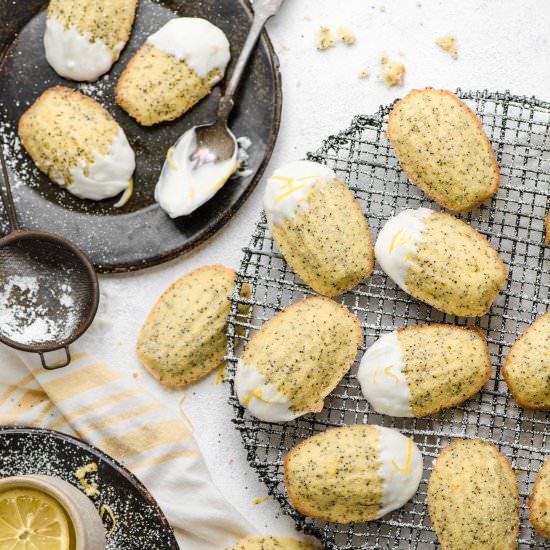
(203, 46)
(108, 175)
(74, 55)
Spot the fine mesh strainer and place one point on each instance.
(519, 129)
(49, 291)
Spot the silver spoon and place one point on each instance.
(215, 141)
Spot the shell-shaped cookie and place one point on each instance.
(440, 260)
(319, 227)
(272, 543)
(84, 38)
(296, 359)
(184, 336)
(442, 148)
(420, 370)
(78, 144)
(353, 473)
(473, 498)
(176, 67)
(527, 367)
(539, 501)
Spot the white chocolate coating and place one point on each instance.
(381, 377)
(396, 243)
(262, 399)
(181, 188)
(74, 55)
(202, 45)
(108, 175)
(401, 469)
(288, 188)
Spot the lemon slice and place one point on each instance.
(32, 520)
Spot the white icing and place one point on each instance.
(74, 55)
(108, 175)
(261, 398)
(382, 380)
(287, 189)
(396, 244)
(203, 46)
(182, 188)
(401, 469)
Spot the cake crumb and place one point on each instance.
(447, 42)
(345, 35)
(382, 8)
(364, 73)
(393, 72)
(325, 39)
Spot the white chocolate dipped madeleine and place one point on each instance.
(539, 501)
(473, 498)
(271, 543)
(184, 336)
(319, 227)
(443, 149)
(83, 38)
(527, 366)
(296, 359)
(419, 370)
(440, 260)
(353, 473)
(176, 67)
(77, 144)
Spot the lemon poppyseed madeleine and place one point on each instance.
(539, 501)
(84, 38)
(175, 68)
(272, 543)
(527, 366)
(473, 498)
(420, 370)
(77, 144)
(353, 473)
(184, 336)
(442, 148)
(296, 359)
(319, 227)
(440, 260)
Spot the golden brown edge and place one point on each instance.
(370, 246)
(548, 229)
(171, 382)
(508, 468)
(121, 83)
(489, 370)
(504, 370)
(538, 526)
(471, 114)
(359, 336)
(288, 459)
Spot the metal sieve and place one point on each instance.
(49, 291)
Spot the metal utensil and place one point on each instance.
(215, 141)
(49, 292)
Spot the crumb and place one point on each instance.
(345, 35)
(298, 84)
(283, 48)
(364, 73)
(401, 53)
(307, 18)
(447, 42)
(325, 39)
(135, 374)
(393, 72)
(382, 8)
(230, 461)
(259, 500)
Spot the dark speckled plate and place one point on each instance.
(140, 522)
(139, 234)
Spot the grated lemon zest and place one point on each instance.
(220, 375)
(126, 195)
(184, 415)
(170, 161)
(105, 508)
(90, 489)
(259, 500)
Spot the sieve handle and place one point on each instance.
(7, 198)
(57, 364)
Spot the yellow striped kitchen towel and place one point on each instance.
(107, 408)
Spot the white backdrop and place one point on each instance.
(502, 44)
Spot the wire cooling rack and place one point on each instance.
(519, 129)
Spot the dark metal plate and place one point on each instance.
(139, 234)
(140, 522)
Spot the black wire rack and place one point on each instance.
(519, 129)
